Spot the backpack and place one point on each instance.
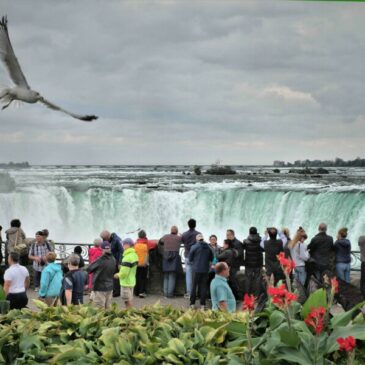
(21, 248)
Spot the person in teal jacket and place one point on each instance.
(127, 273)
(51, 280)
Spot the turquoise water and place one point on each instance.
(75, 204)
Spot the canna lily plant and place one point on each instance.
(284, 332)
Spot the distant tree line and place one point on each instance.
(337, 162)
(11, 165)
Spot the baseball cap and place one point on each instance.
(128, 241)
(105, 245)
(199, 237)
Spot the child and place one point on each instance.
(127, 273)
(94, 253)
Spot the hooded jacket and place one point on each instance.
(343, 251)
(14, 235)
(128, 268)
(228, 256)
(201, 256)
(141, 248)
(272, 249)
(103, 269)
(51, 280)
(253, 252)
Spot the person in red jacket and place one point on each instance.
(94, 253)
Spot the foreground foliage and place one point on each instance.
(284, 332)
(85, 335)
(166, 335)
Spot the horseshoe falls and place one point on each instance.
(76, 202)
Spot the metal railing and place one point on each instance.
(65, 249)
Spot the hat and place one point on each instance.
(128, 241)
(199, 237)
(105, 245)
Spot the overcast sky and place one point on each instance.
(187, 82)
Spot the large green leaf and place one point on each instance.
(289, 336)
(315, 300)
(343, 319)
(276, 319)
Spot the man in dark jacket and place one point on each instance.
(117, 251)
(238, 260)
(189, 239)
(103, 270)
(273, 247)
(253, 258)
(228, 255)
(200, 257)
(362, 259)
(321, 251)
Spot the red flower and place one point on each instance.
(346, 344)
(315, 319)
(249, 302)
(286, 263)
(281, 297)
(334, 285)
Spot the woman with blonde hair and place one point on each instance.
(299, 254)
(343, 255)
(51, 280)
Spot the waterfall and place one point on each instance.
(79, 216)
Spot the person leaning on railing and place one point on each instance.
(362, 258)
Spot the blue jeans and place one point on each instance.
(188, 275)
(169, 281)
(343, 271)
(300, 274)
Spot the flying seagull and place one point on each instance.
(22, 91)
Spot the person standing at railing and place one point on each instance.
(117, 252)
(127, 273)
(362, 258)
(343, 255)
(321, 251)
(171, 262)
(103, 269)
(254, 258)
(273, 246)
(15, 242)
(37, 253)
(141, 248)
(189, 239)
(51, 280)
(74, 282)
(94, 253)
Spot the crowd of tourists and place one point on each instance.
(120, 267)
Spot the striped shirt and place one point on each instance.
(40, 251)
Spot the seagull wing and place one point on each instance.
(8, 56)
(85, 118)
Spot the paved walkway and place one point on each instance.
(178, 302)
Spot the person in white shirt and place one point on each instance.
(299, 254)
(16, 282)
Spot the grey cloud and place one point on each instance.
(186, 82)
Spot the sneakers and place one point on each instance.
(187, 296)
(142, 295)
(192, 306)
(36, 290)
